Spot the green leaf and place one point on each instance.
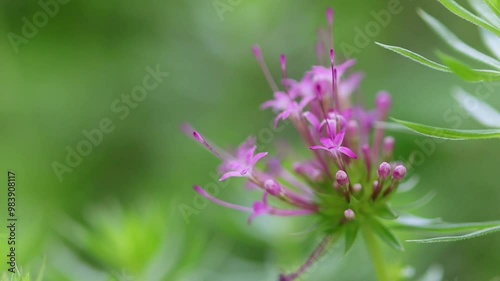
(466, 73)
(386, 235)
(478, 109)
(434, 226)
(457, 44)
(450, 134)
(457, 237)
(460, 11)
(491, 41)
(351, 232)
(494, 6)
(486, 12)
(386, 212)
(415, 57)
(419, 202)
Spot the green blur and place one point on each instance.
(116, 215)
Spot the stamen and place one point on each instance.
(258, 55)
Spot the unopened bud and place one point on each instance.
(349, 214)
(383, 101)
(342, 178)
(389, 145)
(357, 188)
(273, 187)
(384, 170)
(399, 172)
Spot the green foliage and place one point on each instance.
(21, 276)
(138, 242)
(488, 20)
(450, 134)
(437, 228)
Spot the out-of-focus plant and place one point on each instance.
(351, 185)
(130, 244)
(21, 276)
(487, 18)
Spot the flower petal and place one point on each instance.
(318, 147)
(339, 138)
(230, 174)
(257, 157)
(348, 152)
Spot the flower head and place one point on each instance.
(336, 131)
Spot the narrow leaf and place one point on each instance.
(457, 237)
(386, 235)
(491, 41)
(386, 212)
(419, 202)
(408, 184)
(460, 11)
(351, 232)
(466, 73)
(433, 226)
(450, 134)
(486, 11)
(415, 57)
(478, 109)
(494, 6)
(455, 42)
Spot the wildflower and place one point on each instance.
(333, 184)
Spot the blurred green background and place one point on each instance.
(116, 215)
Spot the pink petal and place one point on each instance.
(268, 104)
(327, 142)
(230, 174)
(337, 141)
(283, 115)
(257, 157)
(312, 119)
(318, 147)
(348, 152)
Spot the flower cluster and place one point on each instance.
(350, 175)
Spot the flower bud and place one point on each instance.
(342, 178)
(399, 172)
(349, 214)
(384, 170)
(383, 101)
(389, 145)
(357, 188)
(273, 187)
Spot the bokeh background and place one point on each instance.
(117, 214)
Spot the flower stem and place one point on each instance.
(376, 254)
(315, 256)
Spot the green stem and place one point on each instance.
(376, 254)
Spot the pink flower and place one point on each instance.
(334, 146)
(243, 163)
